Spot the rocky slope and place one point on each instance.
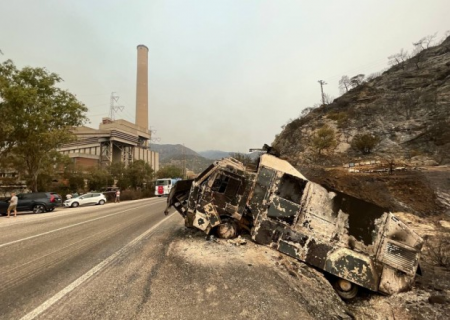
(407, 108)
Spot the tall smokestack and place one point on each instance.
(142, 87)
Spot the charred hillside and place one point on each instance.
(405, 110)
(400, 118)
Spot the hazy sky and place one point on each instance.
(223, 74)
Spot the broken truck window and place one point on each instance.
(220, 184)
(291, 188)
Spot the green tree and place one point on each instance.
(139, 174)
(323, 139)
(35, 117)
(169, 172)
(99, 178)
(44, 182)
(76, 183)
(365, 143)
(74, 176)
(119, 172)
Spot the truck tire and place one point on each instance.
(227, 229)
(345, 289)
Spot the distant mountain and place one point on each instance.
(214, 154)
(167, 151)
(217, 154)
(177, 154)
(180, 156)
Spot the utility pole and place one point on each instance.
(322, 83)
(112, 108)
(184, 163)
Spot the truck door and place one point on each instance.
(258, 201)
(285, 202)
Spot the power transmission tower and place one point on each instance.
(153, 138)
(322, 83)
(113, 108)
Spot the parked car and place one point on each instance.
(86, 199)
(38, 202)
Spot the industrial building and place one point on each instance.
(118, 140)
(114, 140)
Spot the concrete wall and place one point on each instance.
(86, 162)
(151, 157)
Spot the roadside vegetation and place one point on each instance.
(35, 119)
(135, 180)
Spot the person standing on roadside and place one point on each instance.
(117, 196)
(13, 204)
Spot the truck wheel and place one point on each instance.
(227, 229)
(345, 289)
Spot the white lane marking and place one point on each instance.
(7, 223)
(67, 227)
(47, 304)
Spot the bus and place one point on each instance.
(163, 186)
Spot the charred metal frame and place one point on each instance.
(350, 238)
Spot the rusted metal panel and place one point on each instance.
(317, 253)
(353, 266)
(283, 210)
(399, 256)
(258, 201)
(267, 232)
(345, 236)
(291, 249)
(201, 221)
(398, 231)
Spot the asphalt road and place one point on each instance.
(129, 261)
(58, 265)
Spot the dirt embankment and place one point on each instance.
(422, 191)
(250, 281)
(224, 280)
(425, 194)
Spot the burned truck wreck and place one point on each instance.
(358, 243)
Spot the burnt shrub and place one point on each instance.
(365, 143)
(439, 252)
